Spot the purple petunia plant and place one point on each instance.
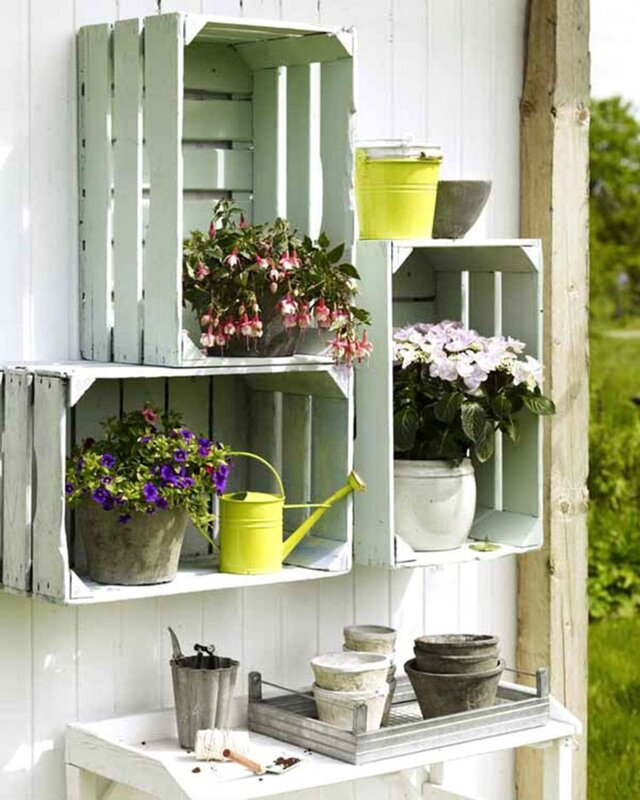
(453, 389)
(148, 462)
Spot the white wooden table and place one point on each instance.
(141, 752)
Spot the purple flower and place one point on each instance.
(101, 497)
(149, 492)
(180, 455)
(223, 470)
(69, 488)
(162, 503)
(204, 448)
(80, 465)
(185, 483)
(186, 434)
(167, 474)
(220, 482)
(151, 510)
(124, 518)
(145, 439)
(204, 442)
(108, 461)
(106, 480)
(120, 500)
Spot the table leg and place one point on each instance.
(558, 762)
(81, 785)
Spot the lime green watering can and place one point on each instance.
(252, 525)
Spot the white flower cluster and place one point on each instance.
(453, 351)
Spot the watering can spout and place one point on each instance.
(354, 483)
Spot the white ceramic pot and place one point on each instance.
(351, 671)
(435, 502)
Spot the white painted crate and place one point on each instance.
(299, 417)
(176, 111)
(494, 286)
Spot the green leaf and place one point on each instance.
(448, 407)
(484, 547)
(474, 419)
(336, 254)
(539, 404)
(361, 315)
(323, 240)
(511, 428)
(349, 270)
(484, 447)
(501, 405)
(405, 428)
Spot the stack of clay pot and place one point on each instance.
(454, 672)
(362, 675)
(375, 639)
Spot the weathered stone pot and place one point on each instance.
(458, 206)
(433, 662)
(459, 644)
(337, 707)
(144, 550)
(370, 638)
(435, 502)
(442, 694)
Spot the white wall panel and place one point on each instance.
(445, 71)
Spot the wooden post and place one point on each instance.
(552, 603)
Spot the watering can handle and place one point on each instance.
(269, 466)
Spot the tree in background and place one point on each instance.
(614, 210)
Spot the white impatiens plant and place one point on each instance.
(452, 389)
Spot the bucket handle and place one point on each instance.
(263, 461)
(276, 475)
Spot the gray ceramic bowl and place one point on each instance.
(458, 206)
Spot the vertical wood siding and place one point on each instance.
(448, 71)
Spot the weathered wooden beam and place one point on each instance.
(552, 603)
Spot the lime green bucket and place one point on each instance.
(396, 189)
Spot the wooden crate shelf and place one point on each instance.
(298, 415)
(493, 286)
(175, 112)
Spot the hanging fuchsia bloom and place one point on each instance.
(322, 314)
(338, 348)
(365, 348)
(149, 415)
(245, 326)
(288, 262)
(293, 259)
(221, 338)
(256, 327)
(288, 306)
(208, 339)
(304, 317)
(263, 263)
(206, 319)
(229, 328)
(243, 222)
(233, 259)
(212, 231)
(201, 271)
(339, 317)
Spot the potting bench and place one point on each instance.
(141, 752)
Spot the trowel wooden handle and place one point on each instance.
(246, 762)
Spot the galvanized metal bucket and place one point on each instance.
(203, 687)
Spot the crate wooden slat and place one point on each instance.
(495, 286)
(50, 408)
(201, 109)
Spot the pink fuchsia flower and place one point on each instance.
(206, 319)
(289, 320)
(338, 348)
(274, 276)
(212, 231)
(229, 328)
(233, 259)
(208, 339)
(201, 271)
(288, 306)
(149, 415)
(365, 348)
(221, 338)
(288, 262)
(304, 317)
(245, 326)
(263, 263)
(339, 317)
(256, 327)
(243, 222)
(273, 287)
(322, 314)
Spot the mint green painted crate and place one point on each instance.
(176, 111)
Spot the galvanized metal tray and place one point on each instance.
(292, 718)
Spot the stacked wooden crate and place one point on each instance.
(175, 112)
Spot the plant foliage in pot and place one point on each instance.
(258, 289)
(452, 390)
(135, 488)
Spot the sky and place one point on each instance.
(615, 49)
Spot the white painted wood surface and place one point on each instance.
(104, 657)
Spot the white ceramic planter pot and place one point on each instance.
(435, 502)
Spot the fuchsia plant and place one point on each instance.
(237, 277)
(452, 389)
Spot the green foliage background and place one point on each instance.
(614, 480)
